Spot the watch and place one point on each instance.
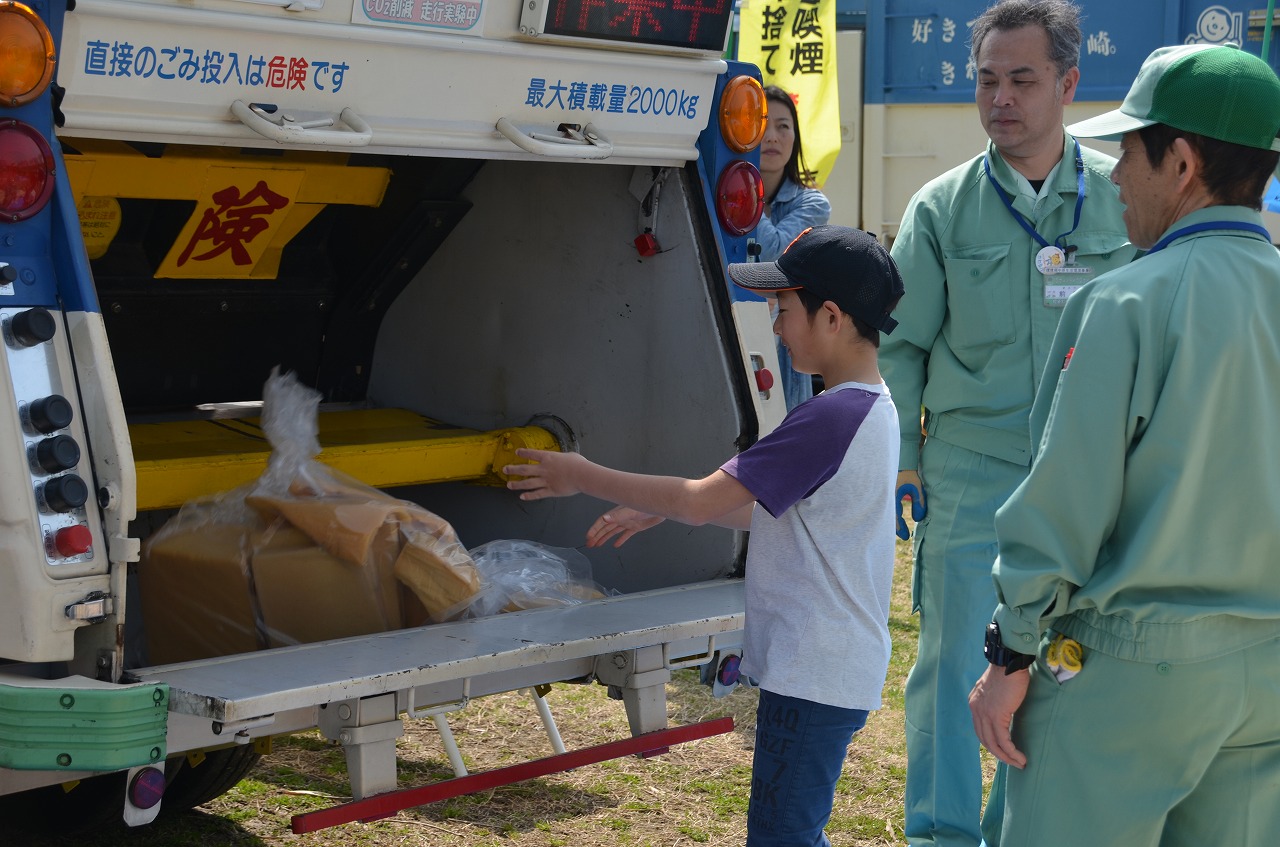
(1000, 655)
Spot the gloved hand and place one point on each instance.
(911, 488)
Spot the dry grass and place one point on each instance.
(694, 795)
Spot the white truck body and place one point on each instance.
(509, 292)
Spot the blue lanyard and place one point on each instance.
(1060, 241)
(1201, 227)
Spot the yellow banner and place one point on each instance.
(793, 42)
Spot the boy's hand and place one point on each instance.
(620, 519)
(553, 475)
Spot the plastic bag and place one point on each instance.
(527, 575)
(304, 553)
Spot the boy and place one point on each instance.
(820, 562)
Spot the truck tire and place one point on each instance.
(190, 785)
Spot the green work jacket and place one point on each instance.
(973, 328)
(1147, 527)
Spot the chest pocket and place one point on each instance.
(1103, 251)
(979, 297)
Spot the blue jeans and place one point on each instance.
(800, 748)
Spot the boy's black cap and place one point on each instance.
(847, 266)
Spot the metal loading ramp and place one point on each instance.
(688, 622)
(178, 461)
(354, 690)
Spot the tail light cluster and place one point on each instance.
(27, 59)
(739, 196)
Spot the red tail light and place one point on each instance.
(26, 171)
(739, 197)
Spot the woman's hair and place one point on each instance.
(795, 166)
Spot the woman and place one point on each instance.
(791, 207)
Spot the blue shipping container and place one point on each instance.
(918, 50)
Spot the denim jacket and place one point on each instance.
(793, 210)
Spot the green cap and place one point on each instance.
(1218, 91)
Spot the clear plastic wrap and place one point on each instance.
(304, 553)
(518, 574)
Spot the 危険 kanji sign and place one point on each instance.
(240, 214)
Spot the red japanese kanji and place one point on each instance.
(640, 15)
(234, 222)
(698, 8)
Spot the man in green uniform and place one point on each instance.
(991, 250)
(1142, 553)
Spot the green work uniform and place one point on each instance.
(973, 335)
(1147, 531)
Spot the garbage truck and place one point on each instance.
(469, 227)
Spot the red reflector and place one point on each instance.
(73, 540)
(147, 788)
(26, 171)
(764, 379)
(647, 244)
(728, 672)
(739, 197)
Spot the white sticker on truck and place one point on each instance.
(461, 17)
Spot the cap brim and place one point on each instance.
(761, 276)
(1109, 126)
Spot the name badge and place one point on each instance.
(1061, 285)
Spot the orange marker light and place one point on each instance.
(27, 54)
(742, 114)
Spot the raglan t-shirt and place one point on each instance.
(819, 565)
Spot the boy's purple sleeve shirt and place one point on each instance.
(804, 451)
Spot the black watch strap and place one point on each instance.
(1000, 655)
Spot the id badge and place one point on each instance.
(1064, 281)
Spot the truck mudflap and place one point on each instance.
(356, 689)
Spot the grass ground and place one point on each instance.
(694, 795)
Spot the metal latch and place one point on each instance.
(93, 608)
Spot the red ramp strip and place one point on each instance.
(388, 804)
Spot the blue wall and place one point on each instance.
(918, 52)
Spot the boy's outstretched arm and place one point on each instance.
(718, 498)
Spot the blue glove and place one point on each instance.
(918, 510)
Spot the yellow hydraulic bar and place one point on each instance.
(178, 461)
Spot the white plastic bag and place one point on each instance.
(517, 574)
